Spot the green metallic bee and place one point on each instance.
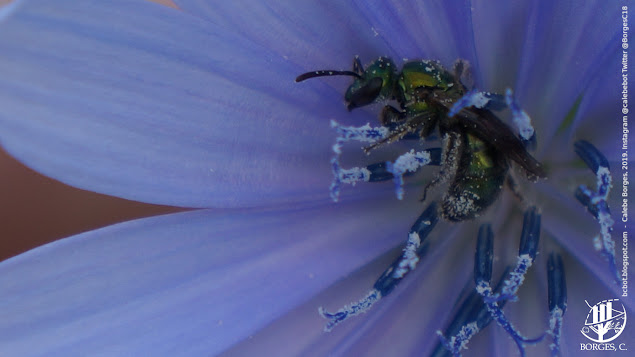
(476, 154)
(477, 147)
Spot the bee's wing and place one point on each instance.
(484, 124)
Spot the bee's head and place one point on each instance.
(373, 84)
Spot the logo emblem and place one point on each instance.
(605, 321)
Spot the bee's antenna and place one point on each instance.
(324, 73)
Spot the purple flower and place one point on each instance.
(199, 108)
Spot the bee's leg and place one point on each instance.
(413, 126)
(451, 151)
(427, 127)
(396, 133)
(390, 116)
(400, 124)
(596, 202)
(483, 274)
(557, 300)
(406, 163)
(392, 276)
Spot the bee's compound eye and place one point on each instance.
(366, 94)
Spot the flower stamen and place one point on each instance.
(557, 299)
(364, 133)
(474, 98)
(405, 164)
(469, 319)
(527, 254)
(521, 120)
(483, 274)
(410, 162)
(459, 342)
(596, 202)
(356, 308)
(392, 276)
(494, 101)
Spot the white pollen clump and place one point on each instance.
(414, 239)
(517, 277)
(520, 117)
(355, 308)
(411, 161)
(604, 173)
(410, 258)
(464, 336)
(480, 100)
(523, 122)
(483, 288)
(354, 175)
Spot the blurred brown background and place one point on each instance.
(35, 210)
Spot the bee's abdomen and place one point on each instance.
(468, 199)
(480, 175)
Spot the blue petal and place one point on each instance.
(566, 45)
(401, 324)
(331, 33)
(440, 30)
(322, 33)
(191, 283)
(549, 52)
(404, 325)
(600, 100)
(574, 228)
(499, 29)
(151, 104)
